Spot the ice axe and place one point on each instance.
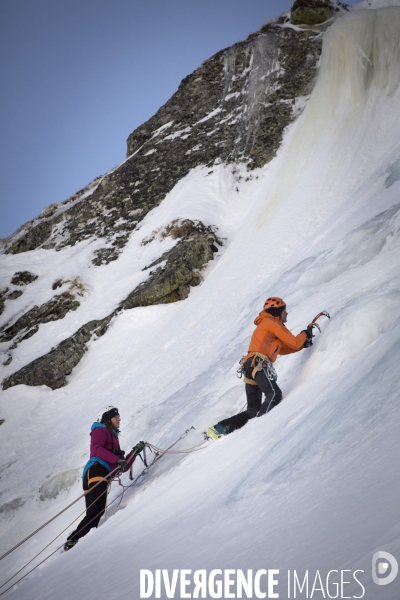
(314, 323)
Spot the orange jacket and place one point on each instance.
(271, 337)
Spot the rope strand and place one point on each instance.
(43, 549)
(49, 521)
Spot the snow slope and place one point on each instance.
(314, 485)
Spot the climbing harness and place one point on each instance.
(260, 362)
(91, 480)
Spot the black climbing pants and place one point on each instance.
(96, 500)
(255, 406)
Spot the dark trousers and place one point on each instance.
(95, 499)
(255, 406)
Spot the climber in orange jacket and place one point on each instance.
(270, 339)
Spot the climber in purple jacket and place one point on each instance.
(106, 460)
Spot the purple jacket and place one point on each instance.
(102, 443)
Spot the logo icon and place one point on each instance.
(384, 564)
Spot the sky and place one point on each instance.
(79, 76)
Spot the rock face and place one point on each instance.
(3, 297)
(232, 109)
(20, 278)
(28, 324)
(23, 278)
(52, 368)
(314, 12)
(183, 263)
(166, 284)
(6, 294)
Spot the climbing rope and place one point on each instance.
(50, 520)
(159, 454)
(184, 451)
(49, 544)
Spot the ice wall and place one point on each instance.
(362, 51)
(350, 122)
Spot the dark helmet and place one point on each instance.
(107, 413)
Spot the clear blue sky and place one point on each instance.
(78, 76)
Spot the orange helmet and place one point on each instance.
(274, 303)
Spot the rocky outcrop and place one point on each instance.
(314, 12)
(53, 368)
(19, 278)
(6, 294)
(165, 284)
(75, 285)
(23, 278)
(172, 282)
(28, 324)
(34, 237)
(233, 108)
(3, 295)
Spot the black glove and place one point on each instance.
(122, 464)
(139, 447)
(310, 336)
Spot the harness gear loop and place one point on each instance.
(255, 364)
(259, 362)
(240, 370)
